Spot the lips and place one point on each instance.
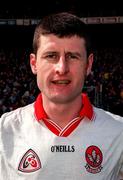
(61, 81)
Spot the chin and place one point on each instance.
(62, 99)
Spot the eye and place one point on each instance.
(51, 56)
(71, 56)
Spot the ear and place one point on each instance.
(90, 62)
(33, 63)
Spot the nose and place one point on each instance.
(62, 66)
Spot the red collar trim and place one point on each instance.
(87, 109)
(39, 110)
(68, 129)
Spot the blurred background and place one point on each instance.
(17, 23)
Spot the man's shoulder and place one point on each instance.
(108, 117)
(16, 115)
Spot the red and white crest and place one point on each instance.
(94, 158)
(30, 162)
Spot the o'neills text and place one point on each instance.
(62, 148)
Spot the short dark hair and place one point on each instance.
(62, 25)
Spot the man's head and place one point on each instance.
(61, 58)
(61, 25)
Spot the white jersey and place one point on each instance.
(33, 147)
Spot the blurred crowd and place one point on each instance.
(17, 84)
(104, 86)
(106, 80)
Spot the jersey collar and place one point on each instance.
(86, 110)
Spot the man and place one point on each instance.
(61, 135)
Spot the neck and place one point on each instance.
(62, 114)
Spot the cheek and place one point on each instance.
(40, 76)
(80, 71)
(80, 75)
(43, 74)
(39, 81)
(41, 69)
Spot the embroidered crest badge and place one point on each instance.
(94, 158)
(30, 162)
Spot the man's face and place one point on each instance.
(61, 66)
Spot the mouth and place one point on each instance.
(63, 82)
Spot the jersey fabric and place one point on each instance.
(33, 147)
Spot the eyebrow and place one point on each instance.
(66, 53)
(74, 53)
(50, 52)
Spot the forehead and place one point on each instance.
(47, 42)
